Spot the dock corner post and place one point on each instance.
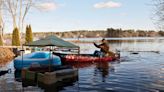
(22, 55)
(78, 50)
(78, 68)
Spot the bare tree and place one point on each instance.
(25, 6)
(12, 7)
(18, 10)
(1, 19)
(159, 5)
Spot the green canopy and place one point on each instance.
(52, 41)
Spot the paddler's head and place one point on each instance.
(103, 40)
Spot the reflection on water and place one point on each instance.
(8, 82)
(137, 73)
(17, 75)
(103, 68)
(143, 72)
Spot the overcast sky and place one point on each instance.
(68, 15)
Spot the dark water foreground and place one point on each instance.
(143, 72)
(135, 73)
(8, 81)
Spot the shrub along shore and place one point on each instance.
(6, 55)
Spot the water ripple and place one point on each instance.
(133, 74)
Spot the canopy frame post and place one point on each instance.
(50, 58)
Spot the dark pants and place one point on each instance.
(99, 53)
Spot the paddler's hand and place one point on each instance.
(94, 43)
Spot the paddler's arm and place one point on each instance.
(98, 46)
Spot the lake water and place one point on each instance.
(142, 72)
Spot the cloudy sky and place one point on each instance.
(68, 15)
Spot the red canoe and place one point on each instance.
(85, 59)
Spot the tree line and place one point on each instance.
(109, 32)
(133, 33)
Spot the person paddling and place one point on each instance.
(104, 49)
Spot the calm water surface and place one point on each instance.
(143, 72)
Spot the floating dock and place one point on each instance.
(49, 80)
